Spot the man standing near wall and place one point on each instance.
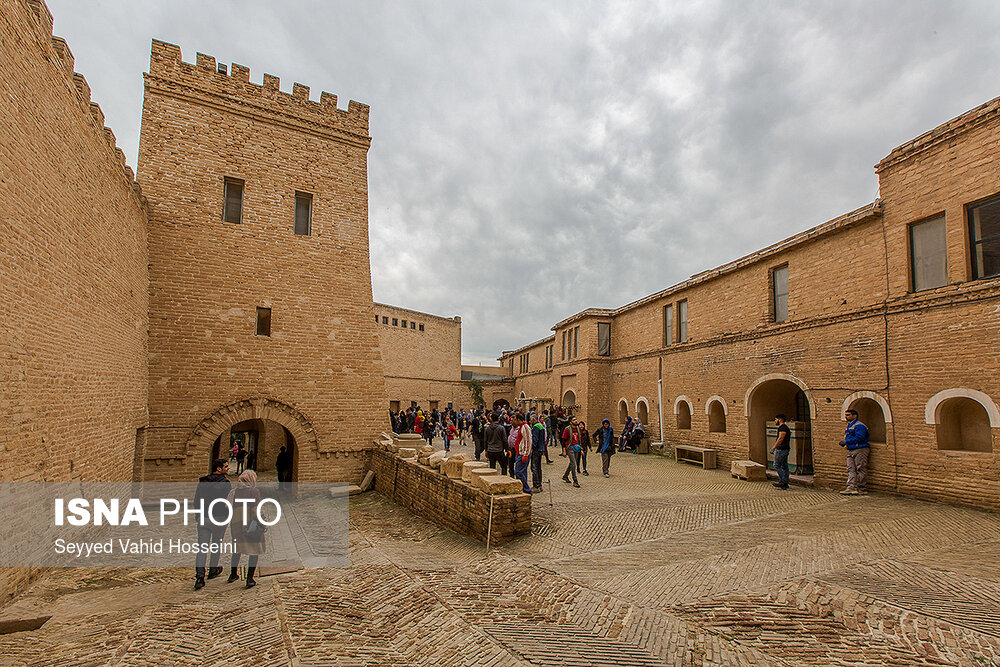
(782, 447)
(856, 441)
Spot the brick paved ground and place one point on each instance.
(661, 564)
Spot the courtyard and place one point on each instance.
(661, 564)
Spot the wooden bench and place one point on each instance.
(703, 456)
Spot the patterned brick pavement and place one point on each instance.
(662, 564)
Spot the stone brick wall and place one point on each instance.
(451, 503)
(854, 327)
(73, 278)
(319, 373)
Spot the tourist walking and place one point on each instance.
(478, 433)
(604, 440)
(247, 531)
(571, 443)
(210, 488)
(522, 451)
(584, 446)
(241, 457)
(496, 440)
(782, 447)
(856, 442)
(538, 450)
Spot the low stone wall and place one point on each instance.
(448, 501)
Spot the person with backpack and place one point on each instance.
(571, 443)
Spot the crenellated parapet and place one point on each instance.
(211, 83)
(57, 51)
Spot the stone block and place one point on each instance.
(369, 481)
(469, 466)
(437, 458)
(497, 484)
(749, 470)
(407, 453)
(427, 449)
(476, 473)
(453, 466)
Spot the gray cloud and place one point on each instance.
(534, 159)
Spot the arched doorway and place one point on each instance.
(622, 411)
(261, 439)
(780, 395)
(501, 403)
(272, 423)
(569, 399)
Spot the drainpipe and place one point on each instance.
(659, 405)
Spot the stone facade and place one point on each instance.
(857, 334)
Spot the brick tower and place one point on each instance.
(259, 277)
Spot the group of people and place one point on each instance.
(517, 440)
(248, 537)
(855, 442)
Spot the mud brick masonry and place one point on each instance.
(841, 315)
(419, 481)
(139, 328)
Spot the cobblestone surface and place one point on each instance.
(662, 564)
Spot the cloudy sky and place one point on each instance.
(532, 159)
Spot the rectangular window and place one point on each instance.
(402, 323)
(263, 321)
(413, 325)
(395, 321)
(576, 342)
(779, 293)
(564, 346)
(668, 325)
(682, 321)
(604, 339)
(928, 256)
(376, 319)
(232, 209)
(421, 327)
(385, 320)
(303, 213)
(984, 234)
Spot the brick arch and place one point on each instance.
(683, 399)
(886, 412)
(780, 376)
(932, 413)
(716, 399)
(203, 435)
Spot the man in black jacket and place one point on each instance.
(283, 464)
(496, 442)
(211, 487)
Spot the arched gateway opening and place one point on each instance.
(781, 395)
(262, 425)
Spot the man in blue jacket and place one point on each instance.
(604, 438)
(856, 442)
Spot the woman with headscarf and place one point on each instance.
(626, 433)
(248, 533)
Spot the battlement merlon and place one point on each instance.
(207, 77)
